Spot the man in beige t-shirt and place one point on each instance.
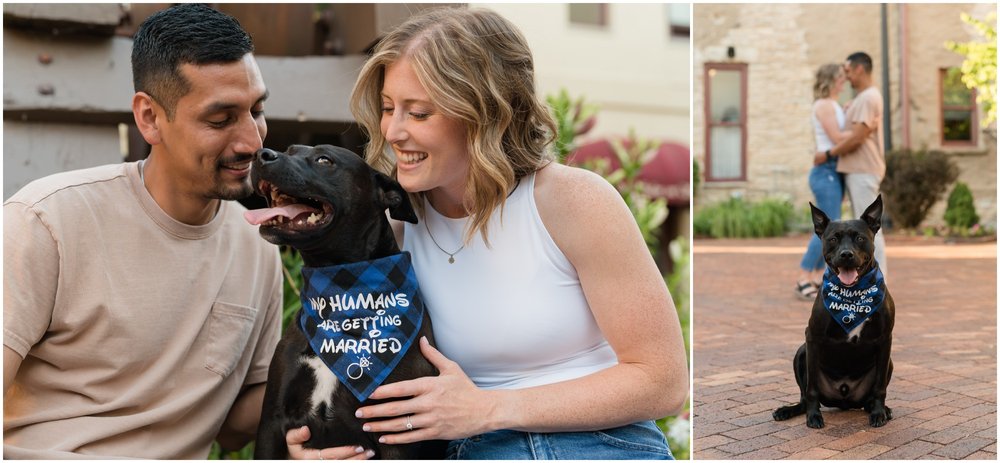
(140, 310)
(862, 155)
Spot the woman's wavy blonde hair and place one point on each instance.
(477, 68)
(826, 78)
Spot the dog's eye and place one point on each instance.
(324, 161)
(860, 239)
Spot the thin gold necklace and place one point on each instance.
(451, 255)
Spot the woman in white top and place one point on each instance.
(557, 336)
(826, 183)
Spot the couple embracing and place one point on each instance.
(849, 158)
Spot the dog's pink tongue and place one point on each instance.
(259, 216)
(848, 277)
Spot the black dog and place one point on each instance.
(330, 205)
(845, 362)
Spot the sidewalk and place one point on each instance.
(748, 324)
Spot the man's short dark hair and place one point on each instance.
(183, 34)
(862, 59)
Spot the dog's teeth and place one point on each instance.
(313, 218)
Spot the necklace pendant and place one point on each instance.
(451, 259)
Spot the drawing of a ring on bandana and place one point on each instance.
(849, 318)
(364, 363)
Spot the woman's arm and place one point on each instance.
(593, 227)
(591, 224)
(826, 113)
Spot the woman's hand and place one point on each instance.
(448, 406)
(819, 158)
(295, 438)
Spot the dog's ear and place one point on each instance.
(392, 196)
(873, 215)
(820, 220)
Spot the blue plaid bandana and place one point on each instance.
(851, 306)
(361, 318)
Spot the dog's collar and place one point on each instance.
(362, 318)
(851, 306)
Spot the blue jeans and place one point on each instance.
(639, 441)
(828, 187)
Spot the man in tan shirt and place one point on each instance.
(140, 309)
(862, 155)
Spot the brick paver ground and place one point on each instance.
(748, 324)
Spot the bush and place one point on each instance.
(914, 181)
(737, 218)
(961, 213)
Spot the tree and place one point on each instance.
(979, 69)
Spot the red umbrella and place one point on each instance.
(666, 175)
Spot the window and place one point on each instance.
(679, 19)
(725, 116)
(958, 110)
(594, 14)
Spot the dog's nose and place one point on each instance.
(846, 255)
(267, 155)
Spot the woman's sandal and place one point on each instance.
(805, 290)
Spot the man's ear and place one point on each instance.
(820, 220)
(394, 198)
(148, 115)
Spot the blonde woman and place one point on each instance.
(826, 183)
(557, 336)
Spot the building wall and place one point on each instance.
(783, 45)
(34, 150)
(632, 69)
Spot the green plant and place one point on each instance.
(246, 453)
(678, 282)
(695, 176)
(736, 218)
(292, 266)
(677, 429)
(979, 69)
(573, 118)
(914, 181)
(961, 212)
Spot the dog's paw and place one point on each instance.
(784, 413)
(815, 421)
(878, 418)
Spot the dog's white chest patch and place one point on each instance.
(855, 334)
(326, 383)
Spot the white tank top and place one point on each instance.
(512, 315)
(823, 142)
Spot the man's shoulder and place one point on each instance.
(872, 95)
(53, 185)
